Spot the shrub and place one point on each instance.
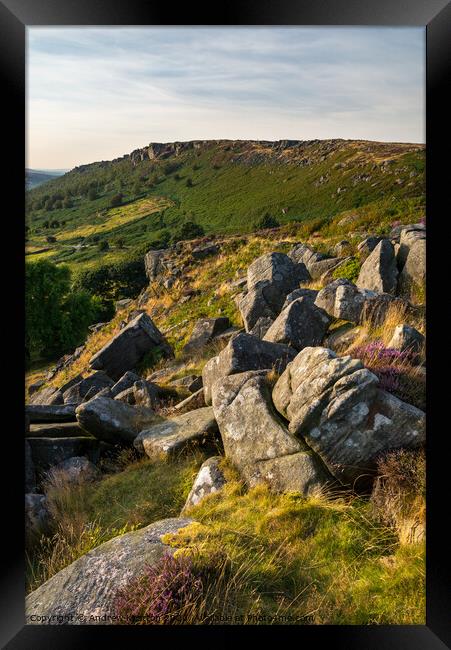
(188, 230)
(116, 200)
(267, 221)
(349, 270)
(92, 194)
(189, 182)
(103, 245)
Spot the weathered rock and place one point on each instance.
(33, 388)
(128, 347)
(76, 470)
(114, 421)
(245, 352)
(30, 474)
(367, 246)
(173, 435)
(141, 393)
(194, 401)
(47, 396)
(342, 248)
(299, 325)
(84, 592)
(37, 517)
(309, 294)
(126, 381)
(153, 262)
(261, 326)
(406, 338)
(50, 413)
(315, 263)
(47, 452)
(335, 404)
(209, 480)
(412, 279)
(92, 385)
(319, 268)
(205, 330)
(123, 304)
(55, 430)
(379, 271)
(341, 338)
(256, 440)
(192, 383)
(408, 237)
(201, 252)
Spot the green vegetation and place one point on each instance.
(350, 270)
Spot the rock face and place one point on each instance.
(113, 421)
(257, 441)
(204, 332)
(408, 237)
(413, 275)
(50, 413)
(92, 385)
(128, 347)
(175, 434)
(153, 262)
(335, 405)
(47, 452)
(299, 325)
(77, 469)
(269, 279)
(245, 352)
(210, 479)
(406, 338)
(379, 271)
(84, 592)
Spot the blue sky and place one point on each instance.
(97, 93)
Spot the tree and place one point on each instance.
(267, 221)
(188, 230)
(116, 200)
(120, 242)
(92, 194)
(104, 245)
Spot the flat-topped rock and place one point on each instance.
(47, 452)
(56, 430)
(50, 413)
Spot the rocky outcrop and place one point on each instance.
(209, 480)
(47, 396)
(154, 263)
(299, 325)
(92, 385)
(409, 236)
(83, 592)
(205, 330)
(173, 435)
(47, 452)
(245, 352)
(256, 440)
(379, 271)
(128, 347)
(114, 421)
(335, 405)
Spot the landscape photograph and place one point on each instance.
(225, 345)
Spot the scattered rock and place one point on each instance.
(50, 413)
(127, 348)
(173, 435)
(126, 381)
(77, 469)
(88, 586)
(367, 246)
(245, 352)
(341, 338)
(379, 271)
(194, 401)
(55, 430)
(406, 338)
(92, 385)
(210, 479)
(256, 440)
(342, 248)
(205, 330)
(123, 304)
(335, 405)
(299, 325)
(47, 452)
(153, 262)
(33, 388)
(201, 252)
(47, 396)
(113, 421)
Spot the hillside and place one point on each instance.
(35, 177)
(223, 186)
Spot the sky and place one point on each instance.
(98, 93)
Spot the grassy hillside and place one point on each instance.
(225, 187)
(35, 177)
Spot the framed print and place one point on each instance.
(227, 302)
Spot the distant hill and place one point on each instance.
(35, 177)
(225, 187)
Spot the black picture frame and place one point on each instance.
(435, 16)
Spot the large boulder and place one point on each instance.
(127, 348)
(50, 413)
(174, 435)
(257, 441)
(47, 396)
(299, 325)
(205, 330)
(47, 452)
(92, 385)
(335, 405)
(114, 421)
(408, 237)
(84, 592)
(209, 480)
(406, 338)
(126, 381)
(245, 352)
(412, 279)
(55, 430)
(153, 263)
(379, 271)
(367, 246)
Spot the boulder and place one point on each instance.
(245, 352)
(126, 381)
(37, 516)
(342, 337)
(261, 326)
(123, 304)
(142, 393)
(176, 434)
(412, 278)
(153, 262)
(192, 383)
(408, 237)
(35, 386)
(379, 271)
(205, 330)
(315, 263)
(257, 441)
(47, 396)
(299, 325)
(76, 470)
(367, 246)
(51, 412)
(84, 591)
(194, 401)
(30, 474)
(309, 294)
(342, 248)
(92, 385)
(127, 348)
(55, 430)
(209, 480)
(335, 405)
(318, 268)
(406, 338)
(47, 452)
(114, 421)
(201, 252)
